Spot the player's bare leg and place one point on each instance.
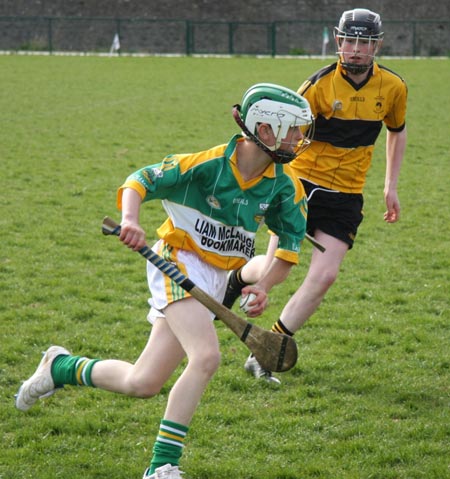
(322, 273)
(149, 373)
(197, 335)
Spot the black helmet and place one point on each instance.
(359, 24)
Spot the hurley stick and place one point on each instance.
(274, 352)
(315, 243)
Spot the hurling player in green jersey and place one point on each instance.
(215, 202)
(351, 100)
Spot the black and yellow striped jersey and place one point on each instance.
(349, 118)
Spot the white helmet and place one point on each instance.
(280, 108)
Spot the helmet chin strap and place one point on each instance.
(356, 69)
(278, 156)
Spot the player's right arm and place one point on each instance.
(131, 233)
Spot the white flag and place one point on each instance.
(325, 41)
(115, 47)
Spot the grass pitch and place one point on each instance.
(369, 397)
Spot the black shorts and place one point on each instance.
(336, 214)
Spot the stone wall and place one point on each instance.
(412, 27)
(229, 10)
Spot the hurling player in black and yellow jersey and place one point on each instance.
(351, 100)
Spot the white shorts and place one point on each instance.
(164, 290)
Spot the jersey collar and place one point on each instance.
(231, 154)
(373, 71)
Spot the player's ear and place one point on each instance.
(265, 133)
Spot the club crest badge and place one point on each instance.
(213, 202)
(337, 105)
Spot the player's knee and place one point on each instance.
(212, 362)
(206, 362)
(328, 278)
(324, 279)
(143, 388)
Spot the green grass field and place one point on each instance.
(369, 397)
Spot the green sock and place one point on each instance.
(169, 444)
(75, 370)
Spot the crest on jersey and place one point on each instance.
(213, 202)
(337, 105)
(379, 104)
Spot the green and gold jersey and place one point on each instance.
(215, 213)
(349, 118)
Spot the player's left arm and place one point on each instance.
(395, 122)
(395, 149)
(286, 219)
(276, 273)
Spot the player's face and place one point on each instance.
(294, 138)
(358, 51)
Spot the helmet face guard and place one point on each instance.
(361, 29)
(280, 108)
